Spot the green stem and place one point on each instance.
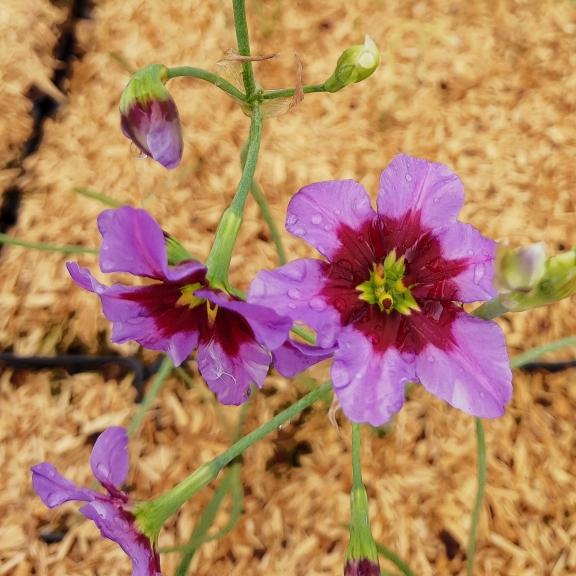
(243, 40)
(5, 239)
(534, 353)
(395, 559)
(482, 474)
(260, 198)
(490, 310)
(289, 92)
(218, 261)
(93, 195)
(218, 81)
(152, 515)
(155, 387)
(356, 458)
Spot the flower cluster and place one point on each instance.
(111, 511)
(388, 296)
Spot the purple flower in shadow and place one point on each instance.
(388, 297)
(111, 511)
(180, 312)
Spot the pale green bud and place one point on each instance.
(519, 268)
(557, 282)
(354, 65)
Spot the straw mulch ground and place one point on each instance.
(487, 87)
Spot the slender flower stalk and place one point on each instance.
(151, 515)
(482, 475)
(243, 40)
(44, 247)
(218, 81)
(288, 92)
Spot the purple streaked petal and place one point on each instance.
(368, 384)
(109, 458)
(472, 372)
(269, 328)
(132, 242)
(118, 525)
(460, 269)
(54, 489)
(294, 357)
(414, 188)
(231, 376)
(294, 290)
(164, 139)
(319, 212)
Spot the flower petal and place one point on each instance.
(294, 290)
(269, 328)
(164, 137)
(231, 376)
(83, 277)
(54, 489)
(294, 357)
(462, 269)
(472, 372)
(132, 242)
(369, 385)
(118, 525)
(320, 213)
(109, 458)
(412, 188)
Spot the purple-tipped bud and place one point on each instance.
(362, 567)
(149, 116)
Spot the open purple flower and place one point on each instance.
(180, 312)
(388, 295)
(111, 511)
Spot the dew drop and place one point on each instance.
(258, 288)
(470, 252)
(436, 200)
(102, 469)
(294, 293)
(327, 227)
(299, 232)
(361, 205)
(292, 306)
(317, 304)
(482, 395)
(478, 273)
(408, 178)
(430, 359)
(291, 219)
(316, 219)
(294, 272)
(340, 375)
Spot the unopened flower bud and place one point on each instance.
(519, 268)
(354, 65)
(557, 282)
(363, 567)
(149, 116)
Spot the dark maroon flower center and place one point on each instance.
(427, 272)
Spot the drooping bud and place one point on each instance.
(149, 116)
(519, 268)
(354, 65)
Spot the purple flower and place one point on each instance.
(362, 567)
(111, 511)
(180, 312)
(149, 117)
(388, 295)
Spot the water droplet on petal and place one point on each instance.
(408, 178)
(258, 288)
(291, 219)
(299, 232)
(292, 306)
(361, 205)
(470, 252)
(317, 304)
(479, 273)
(102, 469)
(482, 395)
(316, 219)
(294, 272)
(430, 359)
(294, 293)
(327, 227)
(436, 200)
(340, 375)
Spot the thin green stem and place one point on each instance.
(289, 92)
(243, 40)
(102, 198)
(534, 353)
(482, 474)
(218, 81)
(395, 559)
(218, 261)
(5, 239)
(157, 383)
(260, 198)
(356, 458)
(153, 514)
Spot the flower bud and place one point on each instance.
(149, 116)
(363, 567)
(519, 268)
(354, 65)
(556, 283)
